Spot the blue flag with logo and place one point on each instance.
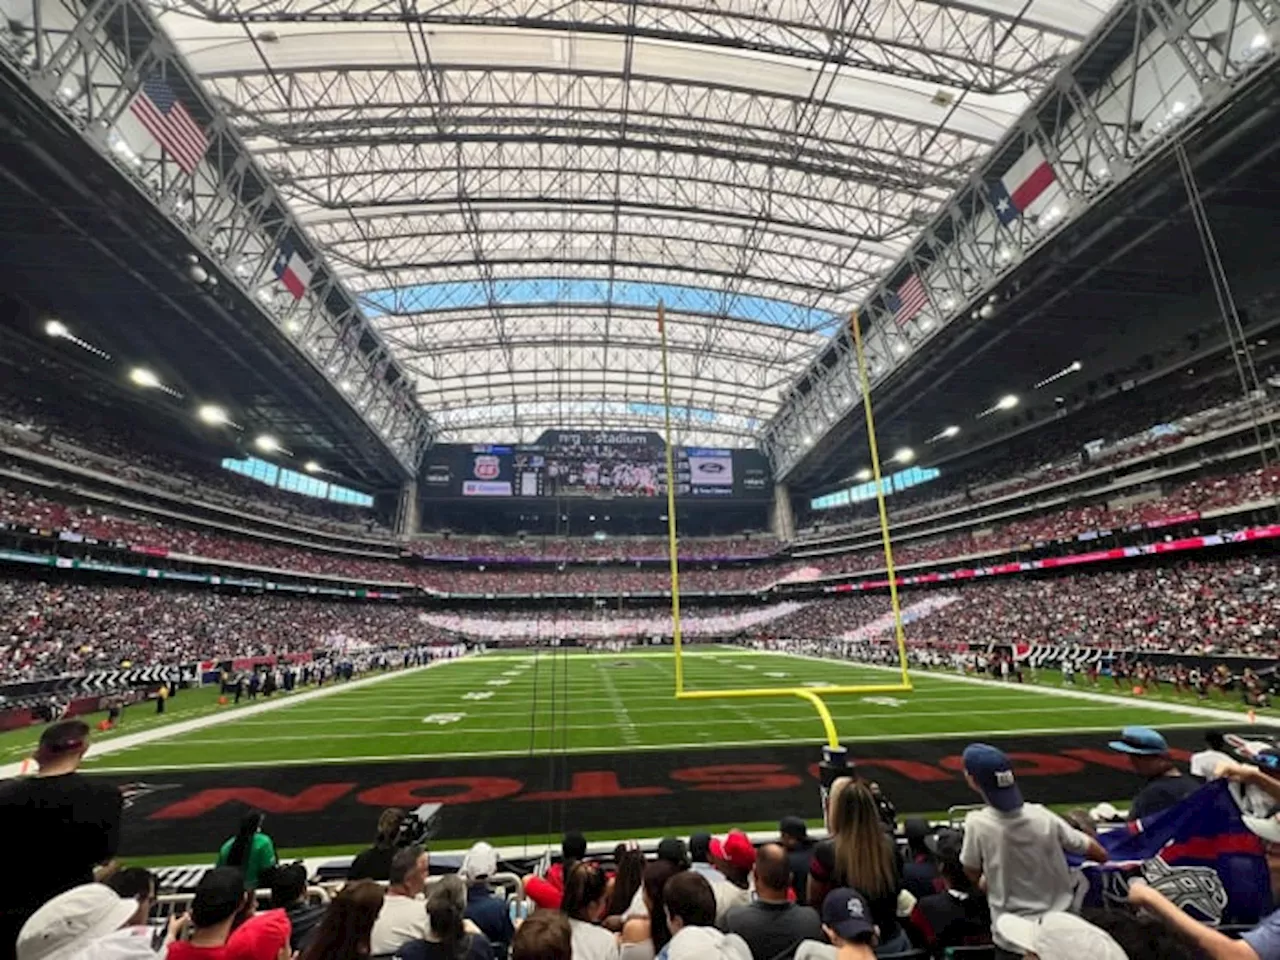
(1198, 853)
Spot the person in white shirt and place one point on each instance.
(691, 909)
(88, 922)
(585, 902)
(404, 912)
(1017, 848)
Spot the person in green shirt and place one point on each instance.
(250, 850)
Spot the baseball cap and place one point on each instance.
(1140, 742)
(915, 829)
(945, 844)
(673, 850)
(736, 849)
(993, 772)
(480, 863)
(68, 922)
(1059, 936)
(847, 912)
(793, 827)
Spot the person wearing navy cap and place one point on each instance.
(1148, 754)
(1018, 848)
(846, 918)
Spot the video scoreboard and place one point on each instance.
(600, 464)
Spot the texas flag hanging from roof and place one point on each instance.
(292, 271)
(1029, 185)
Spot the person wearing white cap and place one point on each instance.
(1058, 936)
(488, 912)
(88, 922)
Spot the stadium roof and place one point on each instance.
(510, 187)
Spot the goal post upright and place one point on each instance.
(899, 633)
(812, 695)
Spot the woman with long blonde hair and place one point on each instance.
(860, 854)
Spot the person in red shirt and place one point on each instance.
(223, 926)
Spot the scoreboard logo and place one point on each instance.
(487, 468)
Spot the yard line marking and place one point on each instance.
(129, 740)
(1187, 710)
(620, 714)
(656, 724)
(603, 751)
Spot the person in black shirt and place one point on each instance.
(958, 917)
(919, 872)
(793, 834)
(375, 862)
(860, 854)
(73, 820)
(1148, 754)
(289, 893)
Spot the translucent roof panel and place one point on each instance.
(511, 187)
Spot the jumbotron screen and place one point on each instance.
(586, 463)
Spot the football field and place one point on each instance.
(515, 746)
(503, 704)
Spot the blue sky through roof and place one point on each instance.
(455, 295)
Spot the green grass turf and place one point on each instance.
(510, 703)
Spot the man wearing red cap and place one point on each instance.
(734, 856)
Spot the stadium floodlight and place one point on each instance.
(143, 377)
(212, 414)
(56, 329)
(266, 443)
(904, 455)
(311, 467)
(864, 474)
(1007, 402)
(946, 433)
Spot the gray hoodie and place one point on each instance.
(699, 943)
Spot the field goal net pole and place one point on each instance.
(834, 754)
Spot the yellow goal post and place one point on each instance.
(813, 695)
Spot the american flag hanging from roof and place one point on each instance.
(909, 300)
(167, 119)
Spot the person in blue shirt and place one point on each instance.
(488, 911)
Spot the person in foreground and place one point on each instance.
(1148, 754)
(74, 819)
(691, 910)
(861, 855)
(1017, 849)
(344, 931)
(1058, 936)
(402, 917)
(644, 935)
(1260, 943)
(848, 923)
(586, 892)
(447, 937)
(772, 925)
(89, 922)
(223, 926)
(250, 850)
(543, 936)
(289, 893)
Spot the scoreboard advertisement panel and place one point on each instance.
(595, 464)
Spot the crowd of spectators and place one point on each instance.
(94, 440)
(1194, 607)
(1147, 423)
(874, 887)
(50, 628)
(1185, 501)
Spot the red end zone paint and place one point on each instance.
(605, 793)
